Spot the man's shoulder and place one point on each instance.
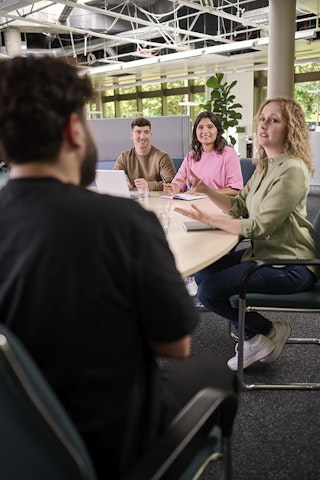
(158, 151)
(126, 153)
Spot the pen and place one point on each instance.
(162, 178)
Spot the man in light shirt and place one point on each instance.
(145, 165)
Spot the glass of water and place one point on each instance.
(143, 193)
(164, 211)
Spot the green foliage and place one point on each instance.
(173, 105)
(222, 103)
(307, 100)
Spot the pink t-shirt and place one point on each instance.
(215, 169)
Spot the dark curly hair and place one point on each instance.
(140, 122)
(37, 96)
(220, 141)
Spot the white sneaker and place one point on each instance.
(254, 350)
(279, 335)
(191, 286)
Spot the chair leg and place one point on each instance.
(295, 340)
(266, 386)
(226, 461)
(225, 457)
(233, 334)
(304, 340)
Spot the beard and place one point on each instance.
(88, 168)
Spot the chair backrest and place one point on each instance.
(316, 225)
(177, 161)
(38, 440)
(247, 168)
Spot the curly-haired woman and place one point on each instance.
(275, 201)
(210, 159)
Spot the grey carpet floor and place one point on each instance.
(276, 433)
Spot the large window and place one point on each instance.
(155, 99)
(308, 94)
(152, 107)
(173, 105)
(129, 108)
(109, 110)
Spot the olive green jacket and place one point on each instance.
(275, 201)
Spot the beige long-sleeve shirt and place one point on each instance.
(275, 200)
(150, 166)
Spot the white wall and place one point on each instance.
(244, 93)
(315, 141)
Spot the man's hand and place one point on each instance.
(141, 183)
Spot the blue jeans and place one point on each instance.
(222, 279)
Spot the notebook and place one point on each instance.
(184, 196)
(195, 225)
(114, 182)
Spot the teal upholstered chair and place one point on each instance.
(39, 441)
(4, 173)
(299, 302)
(177, 161)
(247, 168)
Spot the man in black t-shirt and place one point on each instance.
(87, 281)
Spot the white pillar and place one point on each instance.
(281, 48)
(12, 41)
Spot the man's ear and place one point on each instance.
(73, 130)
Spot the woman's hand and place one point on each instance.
(171, 188)
(196, 185)
(195, 213)
(223, 222)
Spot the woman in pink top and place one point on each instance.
(210, 159)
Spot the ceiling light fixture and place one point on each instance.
(216, 49)
(299, 35)
(140, 63)
(229, 47)
(105, 69)
(181, 55)
(258, 15)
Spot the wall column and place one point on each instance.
(281, 48)
(12, 41)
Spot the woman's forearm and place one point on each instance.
(222, 201)
(223, 222)
(232, 192)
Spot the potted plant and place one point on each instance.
(222, 104)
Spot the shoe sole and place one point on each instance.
(275, 354)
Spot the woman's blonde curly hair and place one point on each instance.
(297, 144)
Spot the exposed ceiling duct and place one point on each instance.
(117, 34)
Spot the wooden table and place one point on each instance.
(193, 250)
